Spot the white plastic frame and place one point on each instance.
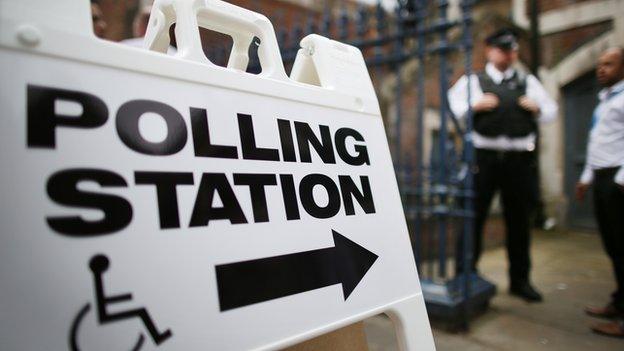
(62, 28)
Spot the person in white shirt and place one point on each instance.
(604, 168)
(508, 104)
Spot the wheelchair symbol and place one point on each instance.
(98, 265)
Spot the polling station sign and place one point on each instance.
(155, 202)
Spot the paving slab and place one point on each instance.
(569, 268)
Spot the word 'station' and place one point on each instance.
(295, 137)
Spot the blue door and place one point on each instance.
(580, 98)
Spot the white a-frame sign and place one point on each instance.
(153, 201)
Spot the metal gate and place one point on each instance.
(404, 48)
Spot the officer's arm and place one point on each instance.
(458, 95)
(547, 106)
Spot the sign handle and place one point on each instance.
(239, 23)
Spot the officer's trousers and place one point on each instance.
(510, 173)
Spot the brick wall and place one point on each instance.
(285, 15)
(557, 46)
(118, 16)
(547, 5)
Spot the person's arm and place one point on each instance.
(587, 177)
(547, 107)
(617, 109)
(619, 178)
(458, 95)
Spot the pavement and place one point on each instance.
(571, 269)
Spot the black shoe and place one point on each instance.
(614, 328)
(526, 292)
(607, 312)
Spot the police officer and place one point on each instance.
(508, 104)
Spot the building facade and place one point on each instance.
(572, 33)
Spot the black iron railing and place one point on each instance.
(435, 179)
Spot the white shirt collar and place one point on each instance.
(496, 75)
(619, 86)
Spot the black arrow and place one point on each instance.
(249, 282)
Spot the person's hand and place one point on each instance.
(528, 104)
(580, 191)
(488, 102)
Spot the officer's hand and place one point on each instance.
(529, 105)
(488, 102)
(580, 190)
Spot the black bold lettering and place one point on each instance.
(248, 142)
(361, 156)
(43, 119)
(290, 196)
(203, 212)
(286, 139)
(127, 122)
(364, 197)
(306, 188)
(306, 137)
(62, 188)
(201, 138)
(256, 183)
(166, 193)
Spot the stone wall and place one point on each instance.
(557, 46)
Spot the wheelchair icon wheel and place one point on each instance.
(75, 328)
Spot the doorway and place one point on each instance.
(580, 98)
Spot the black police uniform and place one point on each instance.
(512, 172)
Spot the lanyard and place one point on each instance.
(596, 114)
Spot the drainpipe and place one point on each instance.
(535, 36)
